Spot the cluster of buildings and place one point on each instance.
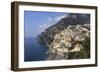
(68, 40)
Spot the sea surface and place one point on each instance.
(34, 51)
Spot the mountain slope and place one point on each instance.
(66, 36)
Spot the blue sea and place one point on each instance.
(34, 51)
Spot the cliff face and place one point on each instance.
(67, 37)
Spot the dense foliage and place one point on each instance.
(85, 51)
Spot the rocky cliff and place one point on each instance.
(66, 38)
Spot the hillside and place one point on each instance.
(69, 38)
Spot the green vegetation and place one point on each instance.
(85, 51)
